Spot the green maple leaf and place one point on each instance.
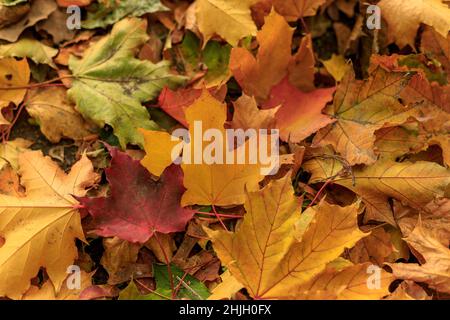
(110, 83)
(190, 288)
(108, 12)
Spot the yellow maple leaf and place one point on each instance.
(230, 19)
(213, 183)
(349, 283)
(264, 254)
(40, 228)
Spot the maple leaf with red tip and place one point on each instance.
(138, 206)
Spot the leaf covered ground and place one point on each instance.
(93, 205)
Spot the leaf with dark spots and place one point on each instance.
(138, 206)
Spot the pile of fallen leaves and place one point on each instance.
(359, 209)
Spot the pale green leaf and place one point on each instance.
(110, 84)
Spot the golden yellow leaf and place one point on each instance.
(404, 18)
(350, 283)
(40, 229)
(207, 183)
(264, 255)
(227, 288)
(337, 67)
(230, 19)
(158, 146)
(258, 75)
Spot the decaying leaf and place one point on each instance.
(56, 116)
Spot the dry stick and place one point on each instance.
(177, 288)
(189, 288)
(218, 218)
(169, 269)
(222, 215)
(319, 192)
(152, 291)
(37, 85)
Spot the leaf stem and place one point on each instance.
(169, 269)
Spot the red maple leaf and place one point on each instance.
(138, 206)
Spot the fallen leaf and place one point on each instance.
(295, 9)
(109, 88)
(258, 75)
(247, 115)
(434, 268)
(119, 260)
(350, 283)
(362, 107)
(52, 25)
(56, 116)
(300, 114)
(230, 19)
(374, 248)
(337, 67)
(416, 184)
(175, 103)
(110, 11)
(13, 73)
(40, 229)
(47, 291)
(9, 152)
(404, 18)
(227, 288)
(40, 10)
(33, 49)
(263, 253)
(217, 184)
(146, 206)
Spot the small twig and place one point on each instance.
(37, 85)
(218, 217)
(185, 285)
(151, 291)
(222, 215)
